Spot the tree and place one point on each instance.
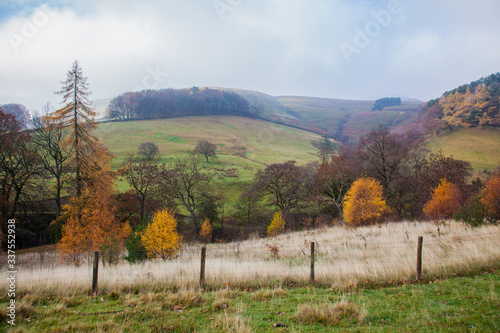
(283, 182)
(445, 201)
(78, 115)
(20, 112)
(276, 226)
(326, 148)
(54, 154)
(191, 185)
(91, 216)
(364, 203)
(149, 150)
(161, 238)
(206, 148)
(151, 184)
(335, 178)
(19, 165)
(491, 198)
(122, 107)
(206, 231)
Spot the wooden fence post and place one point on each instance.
(419, 257)
(202, 266)
(311, 278)
(95, 272)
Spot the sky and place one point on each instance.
(348, 49)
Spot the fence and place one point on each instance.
(320, 258)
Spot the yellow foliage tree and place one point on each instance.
(364, 203)
(206, 231)
(276, 226)
(491, 198)
(160, 238)
(445, 201)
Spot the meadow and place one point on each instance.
(365, 281)
(478, 146)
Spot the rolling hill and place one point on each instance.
(244, 145)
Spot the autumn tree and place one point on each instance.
(364, 203)
(161, 238)
(206, 148)
(445, 201)
(78, 115)
(20, 112)
(491, 197)
(206, 231)
(89, 220)
(276, 226)
(149, 150)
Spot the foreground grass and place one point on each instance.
(460, 304)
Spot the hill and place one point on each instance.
(244, 144)
(478, 146)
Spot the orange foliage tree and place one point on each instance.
(90, 219)
(445, 201)
(364, 202)
(206, 231)
(160, 238)
(491, 198)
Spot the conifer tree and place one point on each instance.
(445, 201)
(206, 231)
(277, 225)
(78, 115)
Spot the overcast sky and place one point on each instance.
(350, 49)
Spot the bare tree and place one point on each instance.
(192, 184)
(53, 153)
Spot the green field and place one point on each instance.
(244, 144)
(461, 304)
(480, 147)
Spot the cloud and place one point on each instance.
(281, 47)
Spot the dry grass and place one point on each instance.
(343, 259)
(327, 314)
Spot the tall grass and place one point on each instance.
(344, 257)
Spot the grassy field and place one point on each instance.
(244, 144)
(480, 147)
(365, 283)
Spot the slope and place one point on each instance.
(244, 145)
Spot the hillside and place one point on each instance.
(244, 144)
(480, 147)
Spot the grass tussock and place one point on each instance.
(267, 294)
(232, 323)
(327, 314)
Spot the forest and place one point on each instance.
(476, 104)
(168, 103)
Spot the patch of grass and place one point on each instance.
(478, 146)
(459, 304)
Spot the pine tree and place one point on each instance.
(78, 115)
(491, 198)
(364, 203)
(160, 238)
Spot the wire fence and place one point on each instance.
(272, 261)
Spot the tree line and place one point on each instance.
(167, 103)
